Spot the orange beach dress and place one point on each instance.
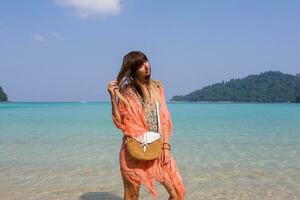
(135, 123)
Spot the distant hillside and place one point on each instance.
(269, 86)
(3, 96)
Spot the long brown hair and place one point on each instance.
(128, 79)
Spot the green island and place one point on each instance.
(266, 87)
(3, 96)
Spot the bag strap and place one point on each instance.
(158, 117)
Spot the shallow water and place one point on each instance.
(223, 151)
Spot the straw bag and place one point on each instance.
(148, 146)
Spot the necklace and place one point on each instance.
(151, 117)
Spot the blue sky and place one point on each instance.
(68, 50)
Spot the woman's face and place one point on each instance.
(144, 70)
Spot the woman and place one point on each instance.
(133, 96)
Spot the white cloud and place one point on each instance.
(56, 35)
(92, 8)
(38, 37)
(46, 37)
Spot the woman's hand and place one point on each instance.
(112, 85)
(166, 156)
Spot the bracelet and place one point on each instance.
(166, 143)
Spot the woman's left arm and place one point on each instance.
(166, 155)
(166, 135)
(167, 125)
(167, 128)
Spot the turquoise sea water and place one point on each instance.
(223, 151)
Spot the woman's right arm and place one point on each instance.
(115, 112)
(116, 116)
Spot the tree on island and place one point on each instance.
(267, 87)
(3, 96)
